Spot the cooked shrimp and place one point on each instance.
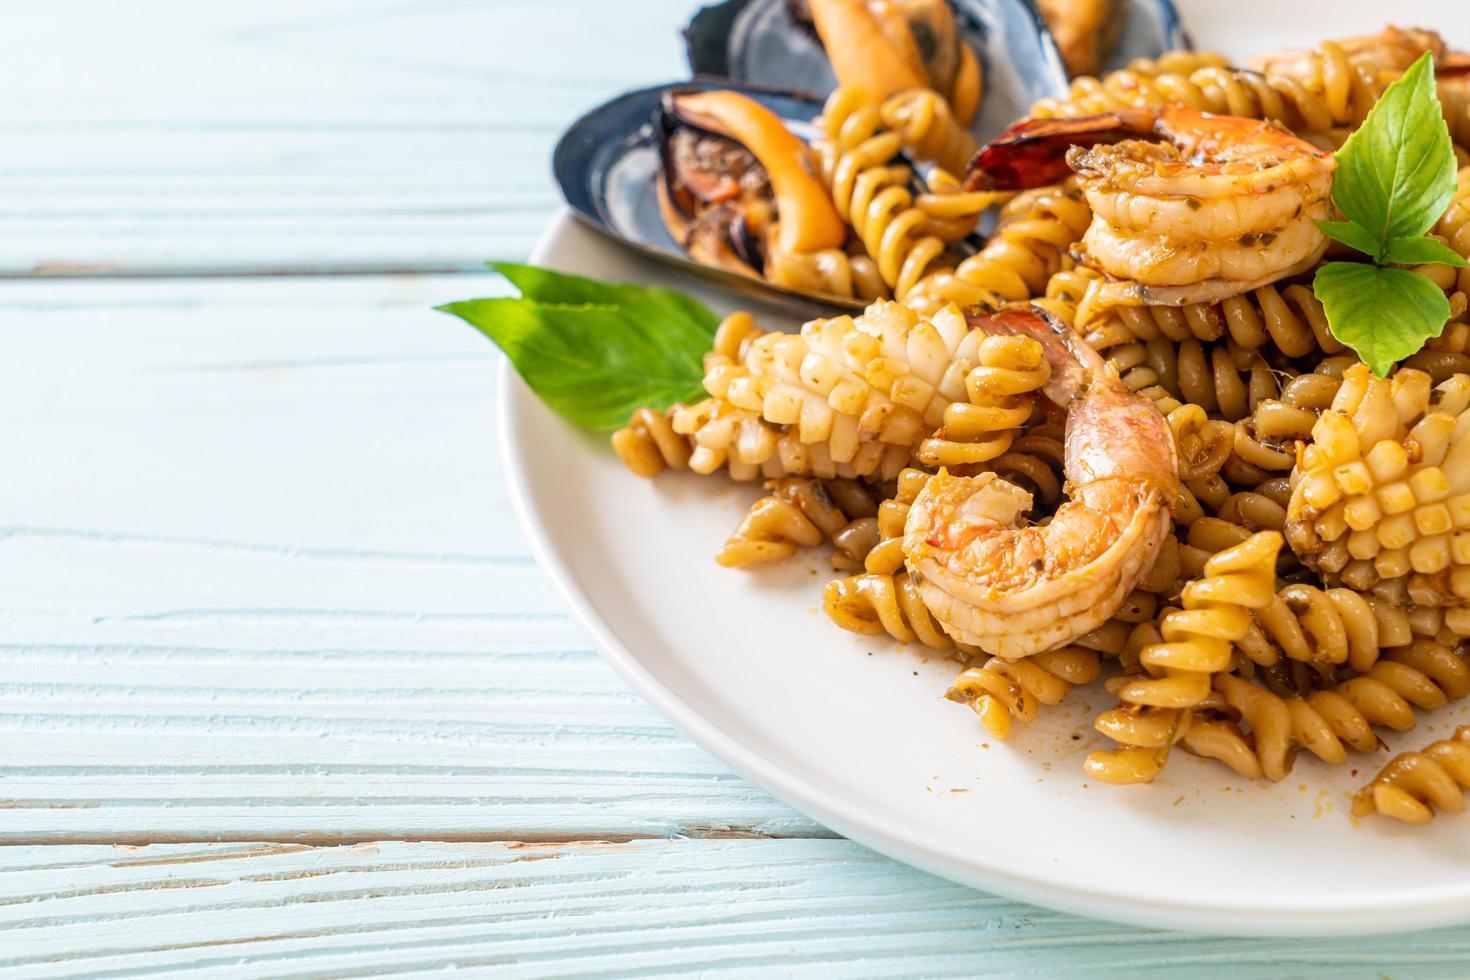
(1188, 207)
(1012, 588)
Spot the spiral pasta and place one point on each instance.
(876, 604)
(1454, 225)
(1196, 643)
(1289, 417)
(1327, 723)
(1034, 463)
(928, 128)
(1449, 353)
(1204, 444)
(848, 273)
(802, 513)
(1223, 378)
(1325, 93)
(1288, 319)
(1415, 784)
(1032, 236)
(871, 193)
(772, 530)
(1454, 100)
(870, 188)
(1326, 628)
(1002, 691)
(896, 234)
(886, 556)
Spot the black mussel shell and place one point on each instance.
(608, 166)
(1150, 27)
(609, 163)
(764, 42)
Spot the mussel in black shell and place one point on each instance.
(767, 190)
(1085, 30)
(987, 61)
(1096, 36)
(890, 46)
(671, 178)
(730, 167)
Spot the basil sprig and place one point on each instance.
(596, 351)
(1395, 177)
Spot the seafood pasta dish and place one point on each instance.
(1163, 386)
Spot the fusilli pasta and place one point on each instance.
(1325, 94)
(984, 427)
(1423, 675)
(802, 513)
(1195, 644)
(929, 129)
(1034, 231)
(1003, 690)
(870, 188)
(1415, 784)
(878, 604)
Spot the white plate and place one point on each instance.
(855, 732)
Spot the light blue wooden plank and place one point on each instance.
(297, 606)
(313, 136)
(709, 907)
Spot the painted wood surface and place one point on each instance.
(301, 135)
(298, 607)
(823, 908)
(281, 691)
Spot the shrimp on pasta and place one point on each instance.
(1188, 207)
(1015, 589)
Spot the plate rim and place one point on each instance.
(1412, 912)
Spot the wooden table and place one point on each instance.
(283, 691)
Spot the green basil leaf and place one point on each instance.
(1396, 172)
(1422, 251)
(596, 364)
(1383, 314)
(549, 286)
(1353, 236)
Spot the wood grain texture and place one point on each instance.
(300, 135)
(716, 908)
(259, 584)
(298, 607)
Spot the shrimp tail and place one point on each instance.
(1129, 435)
(1033, 152)
(1072, 360)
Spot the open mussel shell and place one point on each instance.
(1150, 27)
(762, 42)
(608, 166)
